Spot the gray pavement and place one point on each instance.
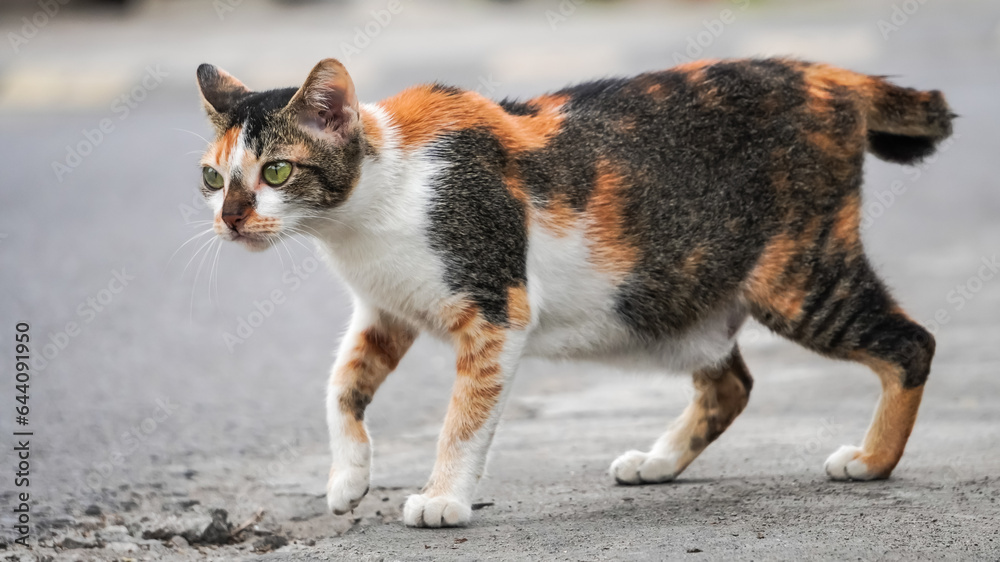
(147, 415)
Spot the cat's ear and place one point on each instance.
(219, 91)
(326, 103)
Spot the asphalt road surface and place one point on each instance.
(169, 384)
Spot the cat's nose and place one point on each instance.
(235, 218)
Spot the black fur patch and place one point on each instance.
(254, 112)
(515, 107)
(476, 225)
(446, 89)
(900, 148)
(587, 92)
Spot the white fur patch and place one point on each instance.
(215, 200)
(575, 318)
(845, 464)
(348, 485)
(439, 511)
(350, 472)
(237, 158)
(572, 303)
(270, 203)
(636, 467)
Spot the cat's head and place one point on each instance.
(280, 157)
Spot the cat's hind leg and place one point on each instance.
(371, 349)
(836, 305)
(721, 393)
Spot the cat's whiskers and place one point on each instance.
(194, 286)
(201, 264)
(297, 230)
(288, 251)
(300, 232)
(321, 217)
(316, 236)
(193, 133)
(189, 240)
(281, 261)
(214, 272)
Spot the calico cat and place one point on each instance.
(633, 220)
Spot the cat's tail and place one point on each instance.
(906, 125)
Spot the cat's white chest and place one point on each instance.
(400, 276)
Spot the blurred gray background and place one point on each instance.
(144, 409)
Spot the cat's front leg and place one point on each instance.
(487, 358)
(371, 349)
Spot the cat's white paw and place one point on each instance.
(346, 487)
(846, 464)
(636, 467)
(436, 511)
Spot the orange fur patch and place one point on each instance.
(696, 76)
(548, 120)
(226, 144)
(478, 387)
(697, 66)
(895, 416)
(258, 224)
(459, 315)
(693, 261)
(477, 391)
(830, 146)
(651, 84)
(372, 130)
(422, 114)
(611, 251)
(764, 283)
(355, 428)
(375, 355)
(557, 215)
(847, 224)
(820, 80)
(515, 185)
(655, 91)
(518, 309)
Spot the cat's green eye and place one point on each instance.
(213, 179)
(276, 173)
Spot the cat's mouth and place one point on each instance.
(253, 242)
